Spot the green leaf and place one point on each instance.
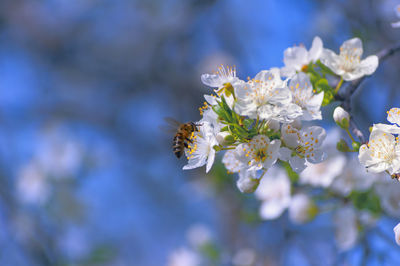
(366, 200)
(248, 123)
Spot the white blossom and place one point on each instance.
(184, 257)
(341, 117)
(259, 153)
(346, 229)
(58, 154)
(397, 24)
(302, 146)
(224, 78)
(232, 164)
(394, 118)
(353, 177)
(201, 151)
(266, 97)
(210, 116)
(220, 78)
(382, 153)
(323, 174)
(244, 257)
(302, 209)
(297, 58)
(32, 184)
(389, 195)
(274, 192)
(248, 181)
(396, 231)
(198, 235)
(348, 64)
(303, 96)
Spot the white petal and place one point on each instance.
(211, 100)
(290, 136)
(247, 182)
(331, 60)
(210, 160)
(284, 154)
(271, 210)
(396, 231)
(394, 116)
(273, 152)
(211, 80)
(392, 129)
(316, 49)
(318, 157)
(396, 24)
(272, 75)
(298, 164)
(195, 162)
(288, 71)
(365, 67)
(295, 57)
(354, 46)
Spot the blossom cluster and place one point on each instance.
(259, 122)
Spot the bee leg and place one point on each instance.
(188, 139)
(186, 145)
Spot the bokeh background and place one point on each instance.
(87, 177)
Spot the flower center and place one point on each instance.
(193, 146)
(382, 149)
(260, 155)
(349, 59)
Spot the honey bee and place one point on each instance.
(182, 136)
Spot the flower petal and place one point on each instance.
(316, 49)
(331, 60)
(353, 46)
(211, 80)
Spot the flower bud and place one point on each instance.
(302, 209)
(356, 146)
(397, 233)
(247, 183)
(342, 146)
(223, 138)
(341, 117)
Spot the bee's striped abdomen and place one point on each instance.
(178, 145)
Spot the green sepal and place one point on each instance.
(325, 69)
(229, 139)
(225, 128)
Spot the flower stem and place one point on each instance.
(339, 85)
(348, 132)
(228, 148)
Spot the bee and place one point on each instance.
(182, 136)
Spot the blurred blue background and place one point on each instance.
(87, 177)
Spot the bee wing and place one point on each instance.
(171, 125)
(172, 122)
